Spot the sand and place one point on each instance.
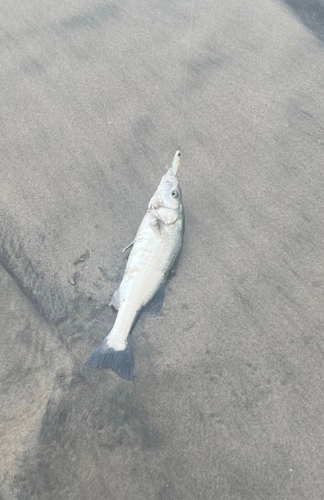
(228, 397)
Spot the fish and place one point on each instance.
(154, 250)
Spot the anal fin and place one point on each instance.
(115, 300)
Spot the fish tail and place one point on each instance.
(118, 358)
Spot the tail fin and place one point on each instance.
(121, 362)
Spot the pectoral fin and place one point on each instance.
(157, 227)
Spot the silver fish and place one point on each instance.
(155, 248)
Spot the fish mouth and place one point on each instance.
(175, 164)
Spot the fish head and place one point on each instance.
(169, 192)
(167, 200)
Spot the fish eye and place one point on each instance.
(175, 194)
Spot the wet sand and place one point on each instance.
(228, 397)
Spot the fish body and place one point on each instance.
(155, 248)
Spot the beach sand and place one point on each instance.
(228, 398)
